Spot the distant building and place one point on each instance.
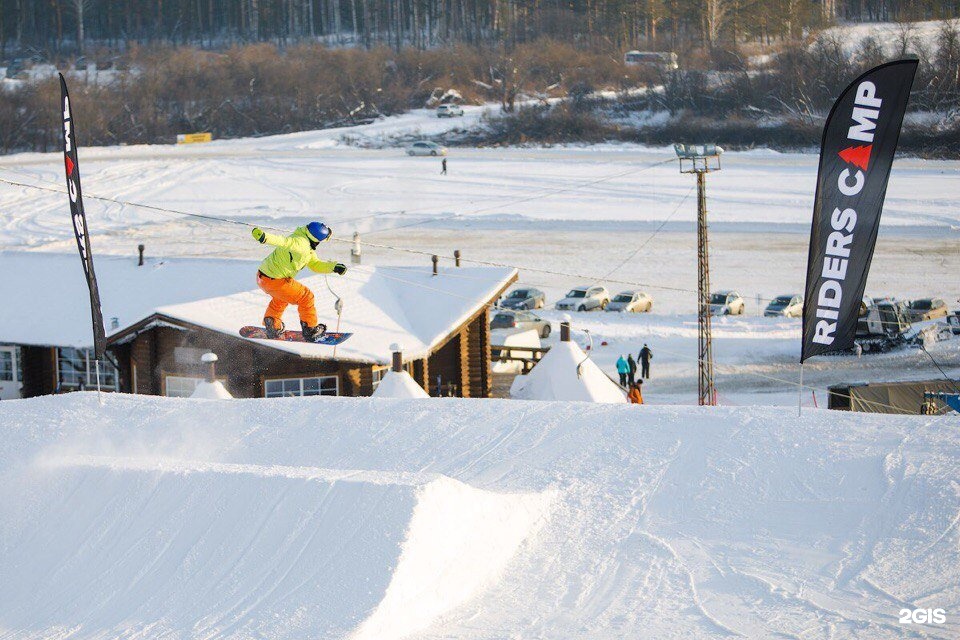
(168, 313)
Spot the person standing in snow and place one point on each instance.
(632, 375)
(645, 355)
(443, 167)
(623, 368)
(636, 393)
(278, 270)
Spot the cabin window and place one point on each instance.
(295, 387)
(378, 376)
(7, 365)
(77, 369)
(180, 386)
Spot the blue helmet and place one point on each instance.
(318, 231)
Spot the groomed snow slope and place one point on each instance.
(366, 518)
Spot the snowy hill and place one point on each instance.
(366, 518)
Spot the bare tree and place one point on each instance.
(82, 8)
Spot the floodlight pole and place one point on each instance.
(701, 164)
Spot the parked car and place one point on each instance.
(585, 299)
(426, 149)
(788, 306)
(449, 111)
(631, 302)
(527, 298)
(663, 60)
(926, 309)
(726, 303)
(522, 321)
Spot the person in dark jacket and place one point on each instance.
(443, 167)
(632, 374)
(645, 355)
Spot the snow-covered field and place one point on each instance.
(620, 215)
(365, 518)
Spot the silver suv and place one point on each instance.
(449, 111)
(585, 299)
(726, 303)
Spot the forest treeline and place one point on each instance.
(53, 28)
(548, 91)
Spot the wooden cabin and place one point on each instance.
(163, 315)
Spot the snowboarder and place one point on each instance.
(277, 273)
(636, 393)
(645, 355)
(623, 368)
(632, 375)
(443, 167)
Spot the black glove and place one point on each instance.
(340, 268)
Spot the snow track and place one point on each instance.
(429, 519)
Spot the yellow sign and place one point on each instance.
(190, 138)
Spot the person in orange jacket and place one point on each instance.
(636, 393)
(277, 273)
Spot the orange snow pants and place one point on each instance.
(287, 291)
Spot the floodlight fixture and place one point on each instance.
(698, 158)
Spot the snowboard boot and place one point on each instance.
(313, 334)
(273, 331)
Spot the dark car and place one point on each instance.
(521, 321)
(522, 299)
(926, 309)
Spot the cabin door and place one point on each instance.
(9, 374)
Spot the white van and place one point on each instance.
(666, 60)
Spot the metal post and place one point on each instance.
(210, 359)
(705, 386)
(398, 361)
(456, 257)
(355, 252)
(565, 331)
(701, 160)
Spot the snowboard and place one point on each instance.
(330, 338)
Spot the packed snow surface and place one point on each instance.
(367, 518)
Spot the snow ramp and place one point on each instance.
(428, 519)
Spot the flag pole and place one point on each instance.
(800, 393)
(99, 392)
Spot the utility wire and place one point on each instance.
(543, 194)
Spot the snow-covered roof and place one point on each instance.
(381, 305)
(399, 384)
(46, 303)
(555, 378)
